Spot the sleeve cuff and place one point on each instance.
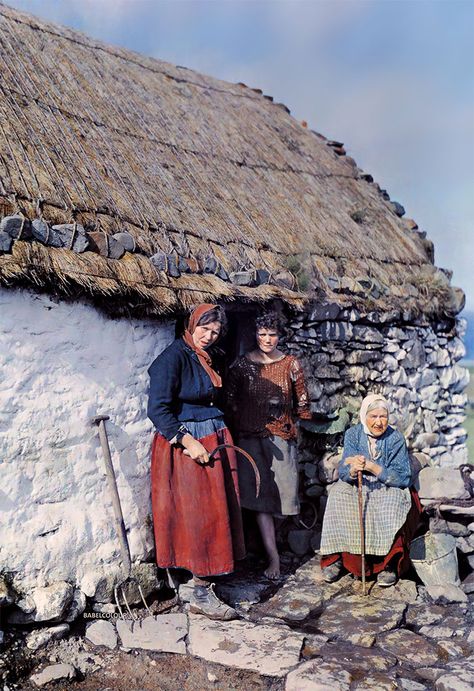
(383, 476)
(182, 430)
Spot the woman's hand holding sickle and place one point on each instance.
(198, 453)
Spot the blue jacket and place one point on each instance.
(180, 390)
(393, 456)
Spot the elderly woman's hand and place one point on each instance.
(356, 463)
(195, 449)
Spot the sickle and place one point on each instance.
(245, 455)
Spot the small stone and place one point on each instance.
(409, 647)
(99, 583)
(102, 633)
(315, 675)
(435, 483)
(355, 660)
(353, 617)
(451, 648)
(73, 236)
(212, 677)
(126, 240)
(7, 596)
(458, 676)
(53, 673)
(237, 591)
(403, 591)
(468, 584)
(6, 242)
(107, 608)
(26, 604)
(436, 632)
(43, 233)
(426, 439)
(446, 594)
(410, 685)
(465, 545)
(269, 650)
(77, 606)
(376, 682)
(366, 334)
(324, 312)
(429, 673)
(441, 525)
(363, 640)
(105, 245)
(313, 645)
(455, 378)
(146, 574)
(424, 615)
(17, 227)
(163, 633)
(334, 426)
(52, 601)
(41, 637)
(328, 467)
(398, 208)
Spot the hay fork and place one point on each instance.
(99, 421)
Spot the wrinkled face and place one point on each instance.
(377, 421)
(267, 340)
(204, 336)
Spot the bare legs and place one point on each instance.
(267, 531)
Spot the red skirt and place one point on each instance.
(398, 556)
(196, 513)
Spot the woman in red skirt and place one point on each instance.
(196, 512)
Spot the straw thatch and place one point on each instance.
(192, 166)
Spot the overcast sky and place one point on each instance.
(393, 79)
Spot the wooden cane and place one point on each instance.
(362, 531)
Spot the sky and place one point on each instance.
(392, 79)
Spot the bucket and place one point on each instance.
(435, 559)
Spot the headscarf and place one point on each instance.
(203, 357)
(370, 402)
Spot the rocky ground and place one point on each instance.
(302, 635)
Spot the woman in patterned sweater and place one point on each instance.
(266, 392)
(391, 511)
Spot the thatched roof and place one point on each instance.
(192, 167)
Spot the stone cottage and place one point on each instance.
(131, 189)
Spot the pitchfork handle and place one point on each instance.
(99, 420)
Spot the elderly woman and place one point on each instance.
(195, 500)
(266, 392)
(391, 512)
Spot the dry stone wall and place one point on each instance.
(415, 365)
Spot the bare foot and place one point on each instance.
(273, 570)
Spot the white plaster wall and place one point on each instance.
(61, 364)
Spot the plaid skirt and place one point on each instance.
(385, 510)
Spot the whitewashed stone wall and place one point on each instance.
(416, 366)
(61, 364)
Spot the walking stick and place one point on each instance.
(362, 531)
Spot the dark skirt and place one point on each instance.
(196, 513)
(278, 467)
(398, 558)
